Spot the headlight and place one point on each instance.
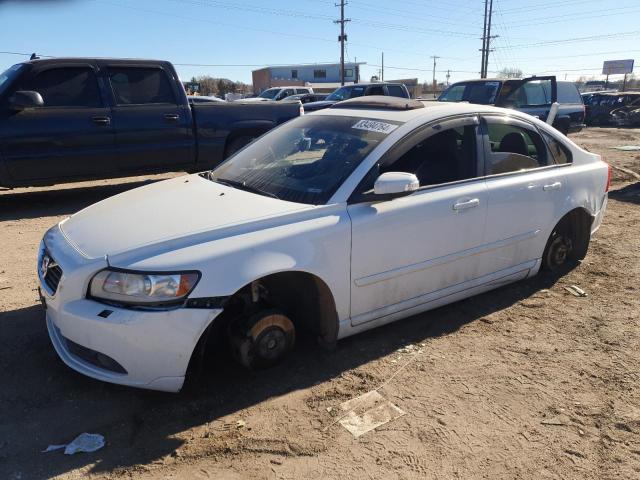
(139, 288)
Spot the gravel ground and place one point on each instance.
(524, 382)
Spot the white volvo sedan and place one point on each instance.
(334, 223)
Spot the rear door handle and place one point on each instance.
(171, 117)
(99, 120)
(553, 186)
(474, 202)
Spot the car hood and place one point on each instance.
(318, 105)
(165, 211)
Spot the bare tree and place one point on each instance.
(510, 73)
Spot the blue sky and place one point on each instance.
(568, 38)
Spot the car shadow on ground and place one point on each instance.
(43, 402)
(629, 194)
(23, 203)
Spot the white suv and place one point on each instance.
(334, 223)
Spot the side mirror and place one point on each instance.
(394, 183)
(25, 99)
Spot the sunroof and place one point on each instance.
(380, 102)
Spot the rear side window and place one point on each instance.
(514, 148)
(568, 93)
(66, 87)
(396, 91)
(302, 90)
(136, 85)
(560, 153)
(377, 90)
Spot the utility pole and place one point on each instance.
(488, 42)
(433, 85)
(448, 76)
(382, 74)
(484, 39)
(342, 38)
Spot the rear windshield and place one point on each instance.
(8, 75)
(483, 93)
(271, 93)
(345, 93)
(305, 160)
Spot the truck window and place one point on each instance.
(568, 93)
(66, 87)
(139, 85)
(396, 91)
(514, 148)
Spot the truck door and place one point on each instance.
(533, 95)
(71, 135)
(152, 127)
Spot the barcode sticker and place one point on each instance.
(375, 126)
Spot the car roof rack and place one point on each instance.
(380, 102)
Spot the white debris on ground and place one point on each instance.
(367, 412)
(85, 442)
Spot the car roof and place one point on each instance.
(433, 111)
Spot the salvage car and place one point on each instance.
(602, 106)
(533, 95)
(72, 119)
(332, 224)
(627, 116)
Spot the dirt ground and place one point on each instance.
(524, 382)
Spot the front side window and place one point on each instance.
(305, 160)
(138, 85)
(447, 156)
(66, 87)
(514, 148)
(8, 75)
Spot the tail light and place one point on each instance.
(609, 177)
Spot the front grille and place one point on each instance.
(93, 357)
(50, 272)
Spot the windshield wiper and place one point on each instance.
(243, 186)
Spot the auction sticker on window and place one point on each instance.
(375, 126)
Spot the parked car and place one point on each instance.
(601, 106)
(69, 119)
(334, 223)
(279, 93)
(359, 90)
(203, 99)
(533, 95)
(627, 116)
(307, 97)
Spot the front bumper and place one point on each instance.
(153, 348)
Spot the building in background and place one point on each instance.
(309, 74)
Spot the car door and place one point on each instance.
(533, 95)
(71, 135)
(526, 193)
(408, 251)
(152, 128)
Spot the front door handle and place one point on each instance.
(171, 117)
(553, 186)
(100, 120)
(474, 202)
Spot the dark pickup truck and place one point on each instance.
(69, 119)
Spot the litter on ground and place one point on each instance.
(367, 412)
(85, 442)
